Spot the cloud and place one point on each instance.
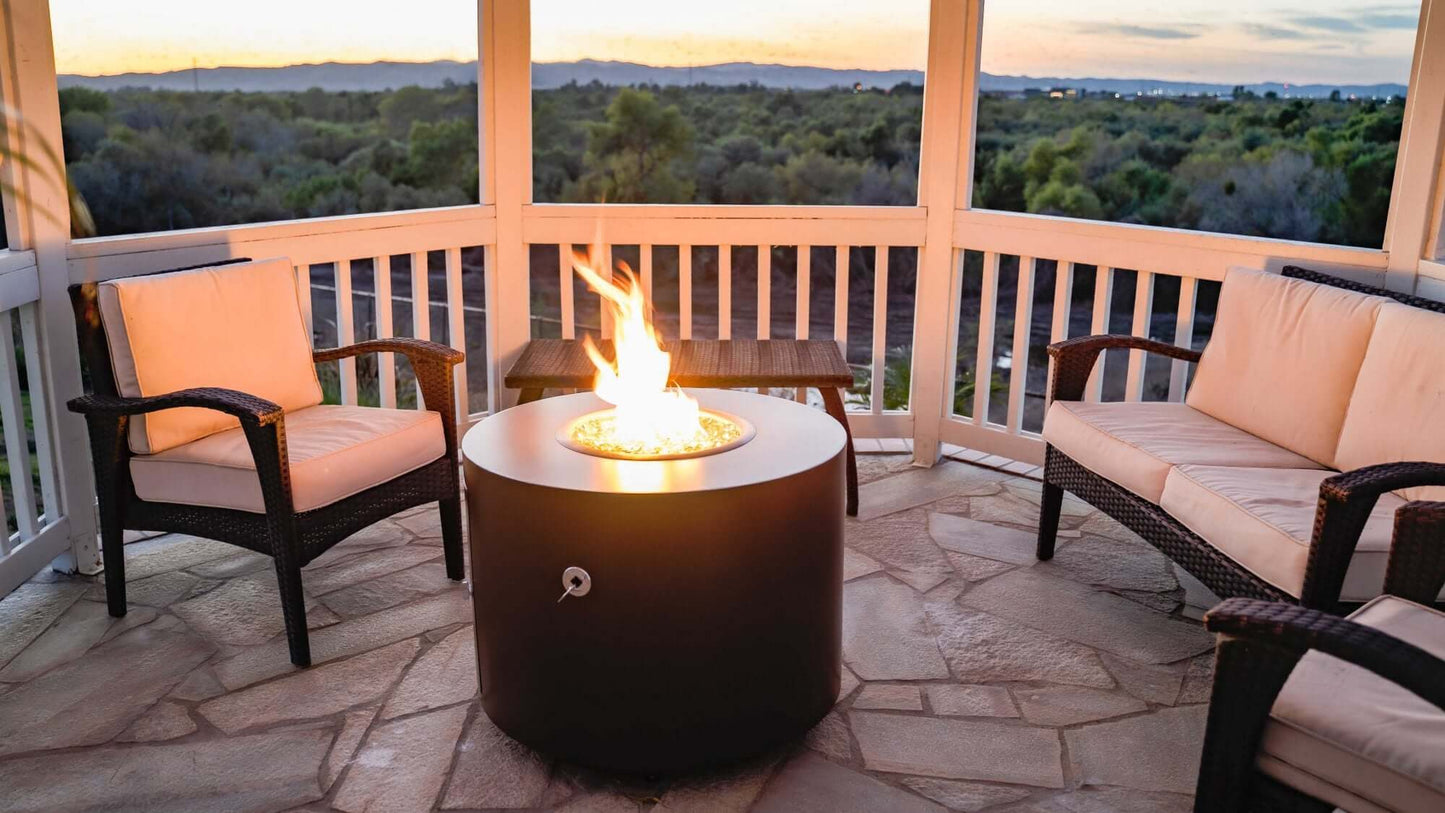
(1389, 20)
(1274, 32)
(1328, 24)
(1146, 32)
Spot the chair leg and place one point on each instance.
(112, 552)
(451, 509)
(293, 609)
(1049, 508)
(833, 403)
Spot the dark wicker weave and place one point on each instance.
(1346, 499)
(1296, 272)
(1260, 643)
(706, 363)
(292, 539)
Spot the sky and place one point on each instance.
(1324, 41)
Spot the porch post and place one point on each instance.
(505, 131)
(39, 219)
(945, 178)
(1408, 226)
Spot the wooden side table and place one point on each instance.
(706, 364)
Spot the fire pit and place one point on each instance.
(654, 615)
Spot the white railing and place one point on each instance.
(33, 529)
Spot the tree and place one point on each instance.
(630, 154)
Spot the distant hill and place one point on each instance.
(338, 76)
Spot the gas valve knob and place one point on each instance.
(575, 582)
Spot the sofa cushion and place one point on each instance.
(1263, 519)
(237, 326)
(334, 452)
(1135, 444)
(1348, 737)
(1398, 408)
(1282, 360)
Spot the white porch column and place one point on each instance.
(945, 180)
(505, 95)
(41, 221)
(1409, 225)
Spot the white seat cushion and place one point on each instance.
(1398, 409)
(1345, 736)
(334, 452)
(236, 326)
(1135, 444)
(1263, 519)
(1282, 360)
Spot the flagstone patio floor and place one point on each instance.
(975, 678)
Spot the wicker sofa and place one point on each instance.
(1314, 415)
(206, 418)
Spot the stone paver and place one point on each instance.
(348, 638)
(979, 662)
(885, 634)
(263, 772)
(494, 770)
(403, 765)
(1083, 615)
(94, 698)
(445, 674)
(1158, 751)
(1069, 705)
(880, 696)
(962, 535)
(811, 784)
(25, 613)
(957, 794)
(959, 749)
(955, 700)
(315, 692)
(982, 648)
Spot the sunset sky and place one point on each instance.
(1327, 41)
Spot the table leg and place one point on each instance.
(528, 395)
(833, 403)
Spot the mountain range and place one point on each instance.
(340, 76)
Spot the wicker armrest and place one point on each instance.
(1416, 568)
(417, 350)
(1372, 481)
(249, 409)
(1074, 359)
(1300, 629)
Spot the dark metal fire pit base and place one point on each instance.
(712, 627)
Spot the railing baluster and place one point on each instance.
(765, 291)
(1063, 301)
(1183, 337)
(1023, 326)
(345, 328)
(880, 329)
(604, 312)
(724, 292)
(955, 297)
(644, 262)
(564, 279)
(1143, 312)
(456, 331)
(983, 367)
(39, 411)
(684, 292)
(17, 448)
(1103, 298)
(420, 306)
(5, 546)
(840, 297)
(385, 362)
(303, 298)
(804, 266)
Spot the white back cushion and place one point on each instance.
(234, 326)
(1397, 411)
(1282, 361)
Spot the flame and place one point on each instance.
(650, 417)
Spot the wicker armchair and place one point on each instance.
(243, 485)
(1350, 505)
(1362, 729)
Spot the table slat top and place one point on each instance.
(695, 363)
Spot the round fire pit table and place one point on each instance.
(702, 615)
